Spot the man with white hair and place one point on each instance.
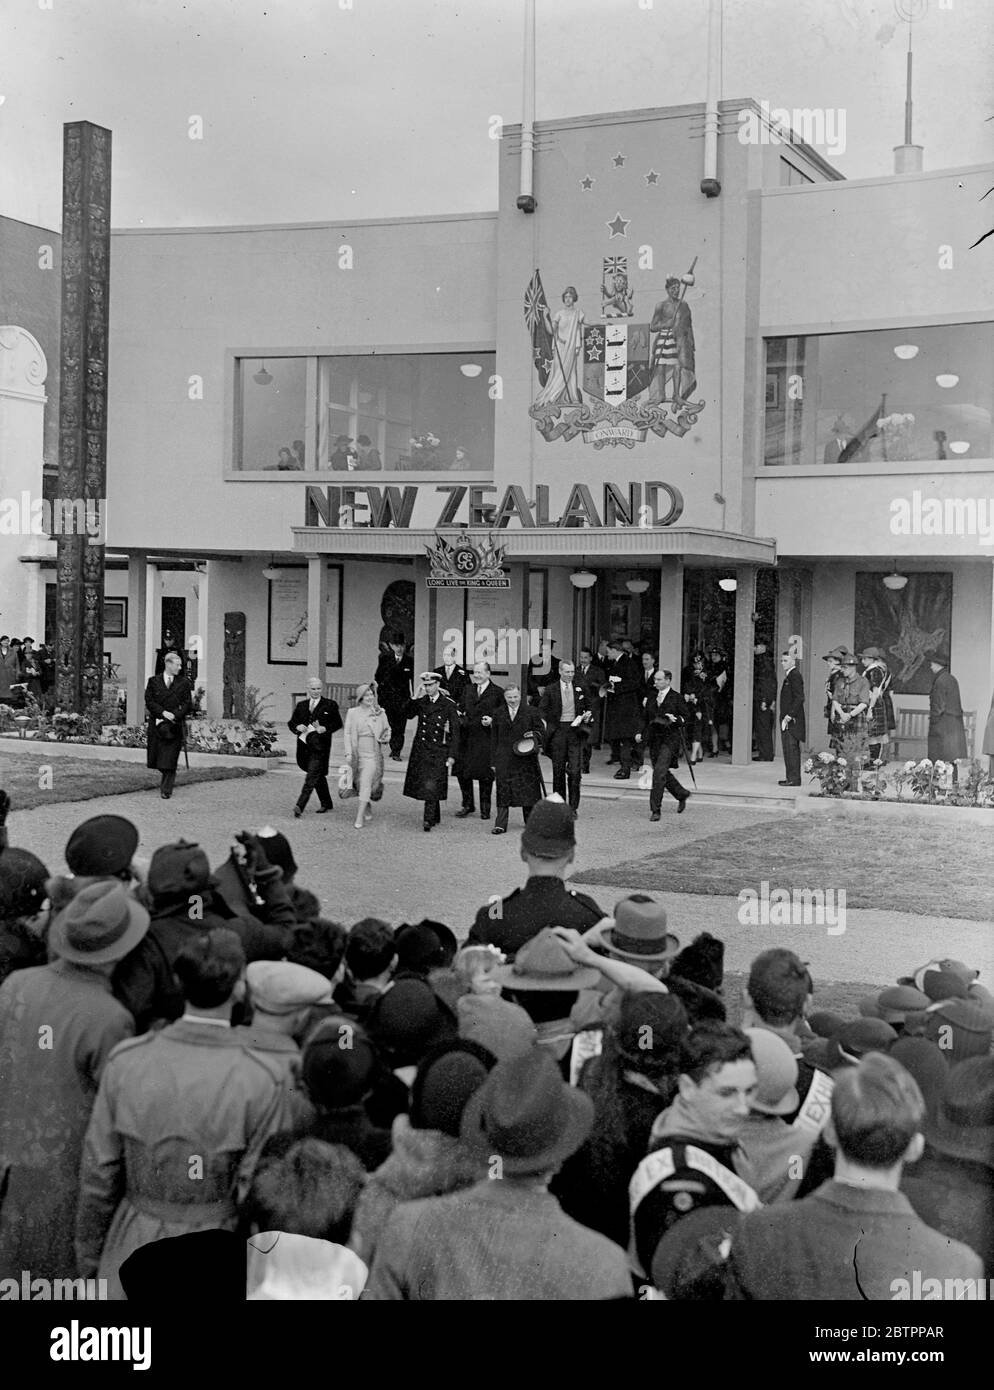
(480, 702)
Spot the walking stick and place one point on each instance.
(690, 765)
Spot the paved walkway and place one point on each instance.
(392, 869)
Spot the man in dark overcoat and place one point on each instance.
(621, 692)
(436, 741)
(314, 721)
(946, 734)
(519, 776)
(664, 718)
(394, 679)
(591, 674)
(168, 699)
(764, 701)
(481, 700)
(793, 728)
(565, 709)
(452, 677)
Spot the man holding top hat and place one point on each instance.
(565, 707)
(314, 721)
(433, 750)
(517, 735)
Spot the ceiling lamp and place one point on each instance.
(959, 446)
(636, 586)
(272, 571)
(947, 380)
(906, 351)
(262, 377)
(729, 585)
(471, 369)
(583, 579)
(895, 581)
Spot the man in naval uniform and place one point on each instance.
(433, 749)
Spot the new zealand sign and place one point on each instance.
(617, 381)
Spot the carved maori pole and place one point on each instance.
(79, 636)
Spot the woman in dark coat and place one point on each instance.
(946, 735)
(694, 689)
(519, 777)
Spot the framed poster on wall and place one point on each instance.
(911, 626)
(287, 631)
(115, 617)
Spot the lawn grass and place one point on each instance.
(932, 869)
(82, 779)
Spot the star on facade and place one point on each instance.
(593, 353)
(619, 161)
(587, 184)
(652, 176)
(619, 225)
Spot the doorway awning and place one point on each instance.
(618, 545)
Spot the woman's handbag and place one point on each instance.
(347, 780)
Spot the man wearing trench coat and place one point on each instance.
(946, 735)
(168, 699)
(519, 776)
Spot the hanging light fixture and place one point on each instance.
(947, 380)
(583, 579)
(272, 570)
(636, 586)
(906, 351)
(471, 369)
(894, 580)
(729, 585)
(262, 377)
(959, 446)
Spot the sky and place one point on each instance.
(323, 110)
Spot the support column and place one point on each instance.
(425, 620)
(79, 639)
(745, 604)
(137, 673)
(317, 616)
(671, 616)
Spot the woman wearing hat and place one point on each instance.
(880, 721)
(367, 729)
(851, 698)
(831, 681)
(517, 734)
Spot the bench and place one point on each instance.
(341, 692)
(912, 730)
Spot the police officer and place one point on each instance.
(548, 846)
(433, 749)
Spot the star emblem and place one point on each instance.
(587, 184)
(652, 176)
(619, 161)
(619, 225)
(593, 352)
(594, 336)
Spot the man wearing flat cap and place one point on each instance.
(281, 994)
(548, 846)
(59, 1024)
(436, 741)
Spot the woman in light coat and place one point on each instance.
(367, 729)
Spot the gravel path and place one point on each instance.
(393, 870)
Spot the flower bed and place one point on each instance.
(927, 782)
(202, 735)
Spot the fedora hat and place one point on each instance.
(638, 933)
(526, 1115)
(101, 924)
(544, 963)
(964, 1124)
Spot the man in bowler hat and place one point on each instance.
(168, 699)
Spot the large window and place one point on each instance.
(375, 413)
(895, 396)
